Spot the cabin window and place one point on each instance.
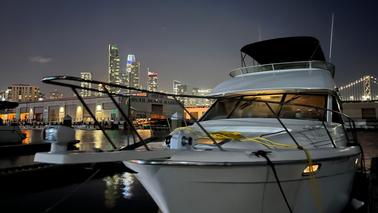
(290, 106)
(304, 107)
(221, 109)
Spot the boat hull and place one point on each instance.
(251, 187)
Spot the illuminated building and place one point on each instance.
(132, 71)
(23, 93)
(152, 82)
(114, 66)
(179, 89)
(100, 88)
(200, 101)
(55, 95)
(85, 76)
(102, 107)
(176, 84)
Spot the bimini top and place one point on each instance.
(287, 49)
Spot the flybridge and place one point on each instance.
(282, 54)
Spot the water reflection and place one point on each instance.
(90, 139)
(115, 186)
(128, 182)
(28, 135)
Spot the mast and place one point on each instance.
(331, 38)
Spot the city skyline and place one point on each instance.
(43, 38)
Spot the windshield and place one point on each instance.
(284, 105)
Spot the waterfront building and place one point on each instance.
(86, 76)
(53, 111)
(114, 66)
(23, 93)
(152, 82)
(364, 113)
(133, 71)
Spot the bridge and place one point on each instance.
(363, 89)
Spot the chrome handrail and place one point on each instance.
(284, 66)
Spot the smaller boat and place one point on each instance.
(10, 134)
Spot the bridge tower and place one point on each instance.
(366, 87)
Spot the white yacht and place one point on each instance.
(274, 141)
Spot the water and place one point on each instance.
(110, 190)
(63, 190)
(90, 139)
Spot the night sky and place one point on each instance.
(196, 42)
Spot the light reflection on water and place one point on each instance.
(128, 181)
(116, 185)
(90, 139)
(28, 135)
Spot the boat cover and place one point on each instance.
(287, 49)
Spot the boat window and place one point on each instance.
(303, 107)
(221, 109)
(293, 107)
(255, 107)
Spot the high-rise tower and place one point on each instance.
(179, 89)
(152, 82)
(114, 66)
(132, 71)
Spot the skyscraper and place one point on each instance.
(114, 66)
(132, 71)
(85, 76)
(179, 89)
(152, 82)
(176, 84)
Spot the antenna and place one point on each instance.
(331, 38)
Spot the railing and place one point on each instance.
(74, 84)
(284, 66)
